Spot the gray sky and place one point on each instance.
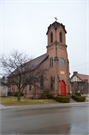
(24, 25)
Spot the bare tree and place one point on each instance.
(21, 71)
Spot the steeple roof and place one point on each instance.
(55, 26)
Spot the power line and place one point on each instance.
(79, 65)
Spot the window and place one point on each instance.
(30, 87)
(51, 62)
(12, 87)
(61, 62)
(71, 84)
(51, 83)
(17, 88)
(80, 85)
(51, 37)
(60, 37)
(41, 82)
(23, 84)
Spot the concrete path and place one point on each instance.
(2, 107)
(72, 100)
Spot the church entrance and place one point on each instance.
(63, 88)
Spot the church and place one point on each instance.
(56, 59)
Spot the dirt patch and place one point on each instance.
(18, 101)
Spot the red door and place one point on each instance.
(63, 88)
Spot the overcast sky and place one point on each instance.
(24, 25)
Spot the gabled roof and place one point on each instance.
(35, 62)
(81, 76)
(32, 64)
(3, 84)
(55, 26)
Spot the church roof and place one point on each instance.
(32, 64)
(56, 25)
(35, 62)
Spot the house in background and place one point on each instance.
(3, 89)
(79, 83)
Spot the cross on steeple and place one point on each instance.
(55, 18)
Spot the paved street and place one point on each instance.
(71, 121)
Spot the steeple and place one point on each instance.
(55, 26)
(56, 33)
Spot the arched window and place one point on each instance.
(60, 37)
(17, 88)
(41, 82)
(23, 84)
(52, 62)
(51, 37)
(30, 87)
(51, 83)
(12, 87)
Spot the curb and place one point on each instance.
(42, 106)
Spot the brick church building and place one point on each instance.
(56, 59)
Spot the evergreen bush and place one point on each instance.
(43, 96)
(78, 98)
(77, 93)
(63, 99)
(60, 95)
(16, 94)
(49, 95)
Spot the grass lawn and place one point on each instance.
(11, 101)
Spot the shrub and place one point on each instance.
(78, 98)
(49, 95)
(77, 93)
(60, 95)
(81, 99)
(16, 94)
(63, 99)
(43, 96)
(74, 97)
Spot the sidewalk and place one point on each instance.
(41, 106)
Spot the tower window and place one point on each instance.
(51, 83)
(51, 37)
(51, 62)
(41, 82)
(60, 36)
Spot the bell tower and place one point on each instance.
(57, 51)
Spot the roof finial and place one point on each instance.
(55, 18)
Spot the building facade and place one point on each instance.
(56, 60)
(80, 83)
(3, 89)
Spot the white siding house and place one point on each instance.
(3, 89)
